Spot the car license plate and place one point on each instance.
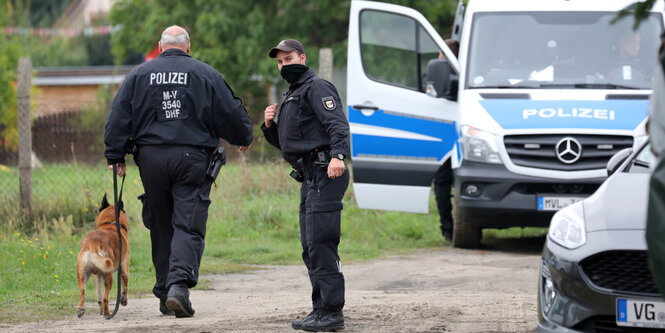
(556, 203)
(640, 313)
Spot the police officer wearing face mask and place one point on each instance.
(311, 130)
(176, 109)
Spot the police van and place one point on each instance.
(542, 94)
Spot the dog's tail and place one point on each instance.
(100, 261)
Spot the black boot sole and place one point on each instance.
(167, 312)
(164, 309)
(330, 328)
(178, 309)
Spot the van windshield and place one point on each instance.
(562, 50)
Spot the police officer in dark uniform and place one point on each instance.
(311, 130)
(443, 181)
(443, 178)
(174, 109)
(626, 66)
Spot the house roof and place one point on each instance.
(80, 76)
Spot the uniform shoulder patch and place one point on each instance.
(328, 103)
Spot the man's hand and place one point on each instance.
(121, 169)
(269, 114)
(335, 168)
(244, 148)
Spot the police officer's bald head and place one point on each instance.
(174, 37)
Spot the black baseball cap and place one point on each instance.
(286, 45)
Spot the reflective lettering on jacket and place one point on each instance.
(167, 78)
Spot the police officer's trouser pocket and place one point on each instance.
(146, 213)
(196, 161)
(327, 219)
(321, 178)
(201, 214)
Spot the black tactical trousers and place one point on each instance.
(443, 181)
(320, 219)
(175, 210)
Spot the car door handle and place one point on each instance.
(365, 107)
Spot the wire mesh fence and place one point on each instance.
(66, 164)
(68, 168)
(69, 173)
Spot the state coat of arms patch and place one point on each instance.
(328, 103)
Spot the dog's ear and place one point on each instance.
(121, 205)
(105, 203)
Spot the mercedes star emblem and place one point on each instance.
(568, 150)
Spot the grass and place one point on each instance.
(253, 219)
(514, 232)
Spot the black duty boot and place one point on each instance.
(447, 235)
(297, 324)
(446, 226)
(164, 309)
(178, 301)
(325, 321)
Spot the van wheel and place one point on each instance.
(465, 235)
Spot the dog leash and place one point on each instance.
(117, 199)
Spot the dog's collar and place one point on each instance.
(113, 222)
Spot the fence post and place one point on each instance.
(326, 63)
(24, 136)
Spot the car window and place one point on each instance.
(641, 161)
(395, 49)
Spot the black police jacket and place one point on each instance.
(175, 100)
(310, 117)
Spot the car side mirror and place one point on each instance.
(442, 80)
(615, 162)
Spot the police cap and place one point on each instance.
(286, 45)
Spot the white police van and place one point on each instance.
(542, 94)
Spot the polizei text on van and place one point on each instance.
(589, 113)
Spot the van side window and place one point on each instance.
(395, 49)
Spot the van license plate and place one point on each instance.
(556, 203)
(640, 313)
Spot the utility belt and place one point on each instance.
(134, 149)
(307, 164)
(217, 156)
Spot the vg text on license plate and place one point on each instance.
(555, 202)
(640, 313)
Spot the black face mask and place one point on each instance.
(291, 73)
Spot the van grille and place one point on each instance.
(622, 271)
(538, 151)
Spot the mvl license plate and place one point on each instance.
(640, 313)
(556, 203)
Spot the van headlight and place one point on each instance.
(479, 145)
(567, 227)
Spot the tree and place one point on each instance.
(235, 36)
(9, 55)
(440, 13)
(43, 13)
(56, 51)
(639, 10)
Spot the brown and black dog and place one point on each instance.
(99, 256)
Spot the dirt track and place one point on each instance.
(446, 290)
